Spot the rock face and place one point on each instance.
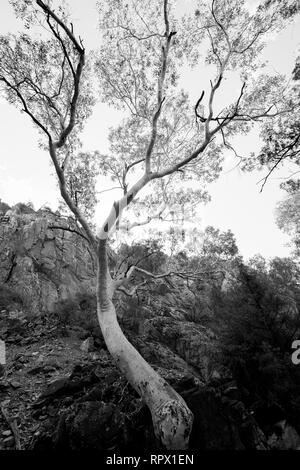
(43, 257)
(196, 344)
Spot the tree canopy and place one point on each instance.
(144, 48)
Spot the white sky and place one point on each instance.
(237, 204)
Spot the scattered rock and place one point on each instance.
(15, 384)
(26, 341)
(9, 441)
(35, 370)
(49, 368)
(54, 387)
(87, 345)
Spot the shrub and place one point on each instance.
(79, 311)
(3, 207)
(9, 297)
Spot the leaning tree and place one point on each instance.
(166, 149)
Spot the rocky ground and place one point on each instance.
(57, 378)
(60, 390)
(37, 353)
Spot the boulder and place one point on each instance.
(194, 343)
(87, 345)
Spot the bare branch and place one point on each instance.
(139, 38)
(160, 86)
(25, 107)
(185, 275)
(202, 119)
(220, 26)
(182, 163)
(279, 160)
(109, 189)
(75, 72)
(57, 20)
(146, 221)
(181, 274)
(130, 293)
(68, 229)
(64, 192)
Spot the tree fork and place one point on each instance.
(171, 417)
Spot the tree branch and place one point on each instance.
(63, 190)
(57, 20)
(279, 160)
(25, 107)
(130, 293)
(75, 73)
(160, 86)
(181, 274)
(68, 229)
(146, 221)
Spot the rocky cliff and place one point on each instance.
(44, 257)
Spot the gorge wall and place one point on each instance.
(44, 257)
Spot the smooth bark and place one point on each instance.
(172, 419)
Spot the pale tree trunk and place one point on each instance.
(172, 419)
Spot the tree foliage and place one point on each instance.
(259, 319)
(288, 218)
(281, 136)
(141, 75)
(138, 67)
